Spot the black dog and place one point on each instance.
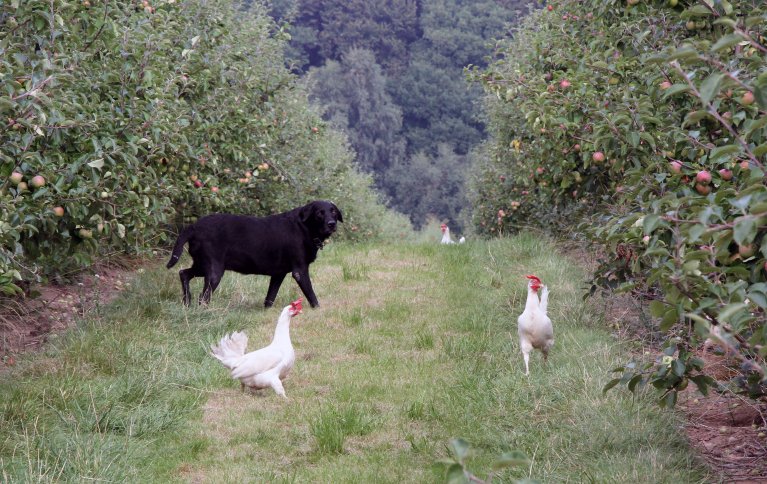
(272, 246)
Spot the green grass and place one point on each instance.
(414, 344)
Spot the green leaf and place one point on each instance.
(726, 21)
(460, 447)
(758, 298)
(695, 232)
(455, 475)
(727, 41)
(760, 94)
(678, 367)
(744, 230)
(650, 223)
(670, 318)
(611, 384)
(697, 11)
(685, 52)
(730, 310)
(710, 87)
(676, 89)
(657, 308)
(702, 382)
(670, 399)
(510, 459)
(695, 116)
(721, 151)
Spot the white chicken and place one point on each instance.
(534, 326)
(266, 367)
(446, 239)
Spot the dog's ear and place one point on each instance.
(306, 212)
(340, 217)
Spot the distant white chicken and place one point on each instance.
(534, 326)
(266, 367)
(446, 235)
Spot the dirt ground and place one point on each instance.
(26, 323)
(729, 432)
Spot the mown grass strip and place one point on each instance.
(414, 344)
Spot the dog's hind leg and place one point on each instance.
(212, 279)
(187, 275)
(274, 286)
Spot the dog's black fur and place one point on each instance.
(273, 246)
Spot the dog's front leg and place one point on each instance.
(274, 286)
(302, 278)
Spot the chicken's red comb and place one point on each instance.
(296, 305)
(534, 278)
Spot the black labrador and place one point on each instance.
(273, 246)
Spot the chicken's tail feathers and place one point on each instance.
(544, 299)
(230, 348)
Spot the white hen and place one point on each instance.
(446, 239)
(266, 367)
(534, 326)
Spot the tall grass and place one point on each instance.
(414, 344)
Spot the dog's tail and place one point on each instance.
(179, 247)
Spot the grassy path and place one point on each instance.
(413, 345)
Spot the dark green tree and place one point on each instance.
(353, 93)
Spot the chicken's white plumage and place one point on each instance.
(265, 367)
(533, 325)
(446, 239)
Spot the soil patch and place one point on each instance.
(26, 323)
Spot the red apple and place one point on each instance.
(502, 178)
(703, 176)
(315, 130)
(550, 8)
(676, 166)
(744, 165)
(564, 84)
(214, 189)
(577, 147)
(539, 170)
(22, 187)
(702, 189)
(598, 157)
(748, 98)
(746, 250)
(58, 211)
(726, 174)
(16, 177)
(197, 183)
(665, 85)
(37, 181)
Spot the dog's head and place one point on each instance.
(321, 217)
